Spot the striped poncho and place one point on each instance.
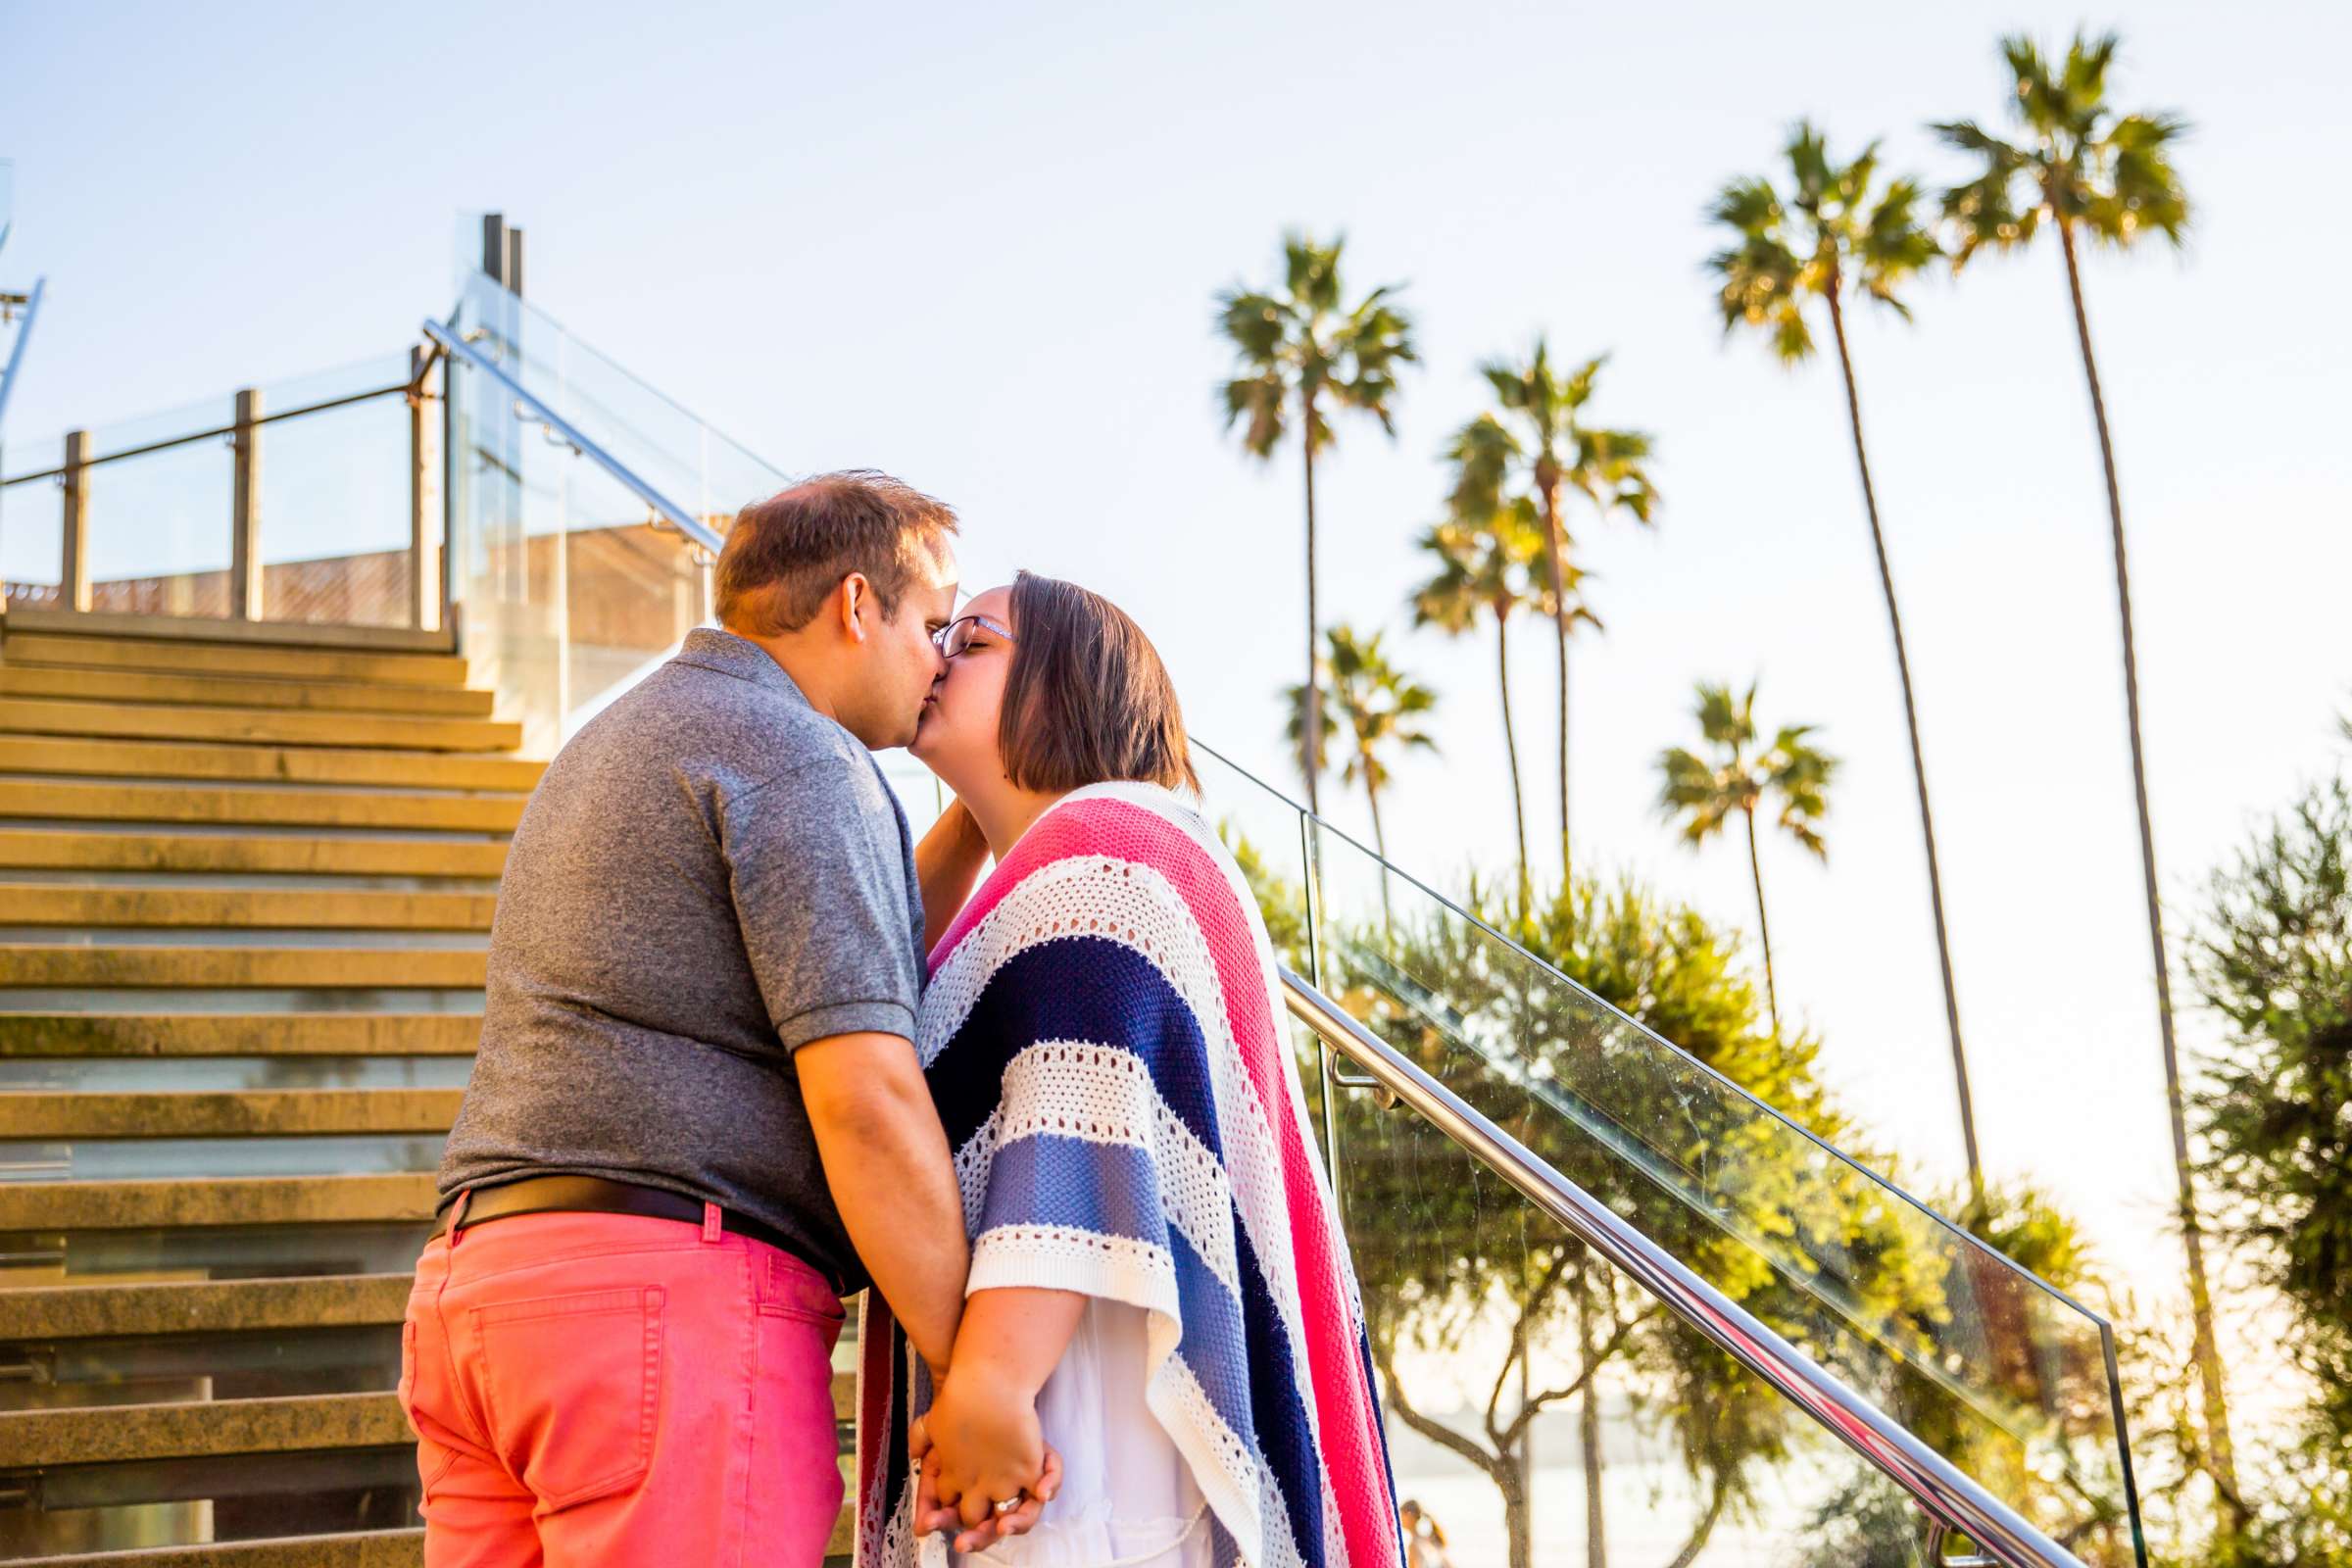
(1104, 1035)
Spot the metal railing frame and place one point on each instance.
(1952, 1500)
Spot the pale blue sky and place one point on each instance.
(977, 245)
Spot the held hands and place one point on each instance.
(979, 1445)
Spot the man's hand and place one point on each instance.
(983, 1447)
(930, 1516)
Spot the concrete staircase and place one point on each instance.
(245, 895)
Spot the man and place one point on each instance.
(695, 1120)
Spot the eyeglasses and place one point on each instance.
(956, 637)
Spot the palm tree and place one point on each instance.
(1298, 353)
(1379, 707)
(1544, 450)
(1485, 567)
(2092, 171)
(1838, 228)
(1704, 794)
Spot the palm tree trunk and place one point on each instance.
(1380, 842)
(1755, 867)
(1552, 552)
(1588, 1431)
(1511, 747)
(1919, 765)
(1314, 729)
(1717, 1497)
(2224, 1461)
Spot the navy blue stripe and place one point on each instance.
(1086, 988)
(1285, 1437)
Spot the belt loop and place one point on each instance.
(457, 1216)
(711, 1229)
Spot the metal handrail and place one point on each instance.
(677, 516)
(1948, 1498)
(217, 432)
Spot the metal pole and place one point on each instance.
(424, 565)
(245, 520)
(73, 560)
(494, 246)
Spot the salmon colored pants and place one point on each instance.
(616, 1390)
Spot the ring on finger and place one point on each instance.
(1009, 1504)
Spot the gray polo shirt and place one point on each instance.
(711, 875)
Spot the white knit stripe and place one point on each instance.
(1101, 1094)
(1195, 826)
(1059, 1257)
(1117, 896)
(1227, 1470)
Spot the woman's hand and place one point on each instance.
(946, 863)
(980, 1445)
(930, 1516)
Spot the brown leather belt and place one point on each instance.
(594, 1195)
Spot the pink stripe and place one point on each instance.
(1351, 1449)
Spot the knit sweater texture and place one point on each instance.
(1105, 1040)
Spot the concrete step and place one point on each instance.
(36, 964)
(230, 658)
(248, 1113)
(363, 1548)
(266, 765)
(201, 1307)
(241, 690)
(64, 850)
(341, 908)
(226, 1034)
(130, 1433)
(406, 1197)
(41, 715)
(250, 805)
(22, 620)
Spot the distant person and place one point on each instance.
(1159, 1285)
(1424, 1538)
(696, 1118)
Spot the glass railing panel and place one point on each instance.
(571, 591)
(332, 510)
(2005, 1377)
(31, 520)
(1489, 1325)
(158, 522)
(335, 509)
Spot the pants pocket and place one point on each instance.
(574, 1384)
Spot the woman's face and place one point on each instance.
(957, 737)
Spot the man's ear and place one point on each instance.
(850, 602)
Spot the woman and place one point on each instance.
(1156, 1262)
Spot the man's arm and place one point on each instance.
(947, 862)
(886, 1160)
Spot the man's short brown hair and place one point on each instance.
(1086, 700)
(785, 556)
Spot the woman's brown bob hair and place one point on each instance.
(1086, 699)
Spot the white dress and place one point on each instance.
(1127, 1496)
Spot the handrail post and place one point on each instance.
(245, 519)
(74, 559)
(425, 548)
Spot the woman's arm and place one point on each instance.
(947, 862)
(983, 1425)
